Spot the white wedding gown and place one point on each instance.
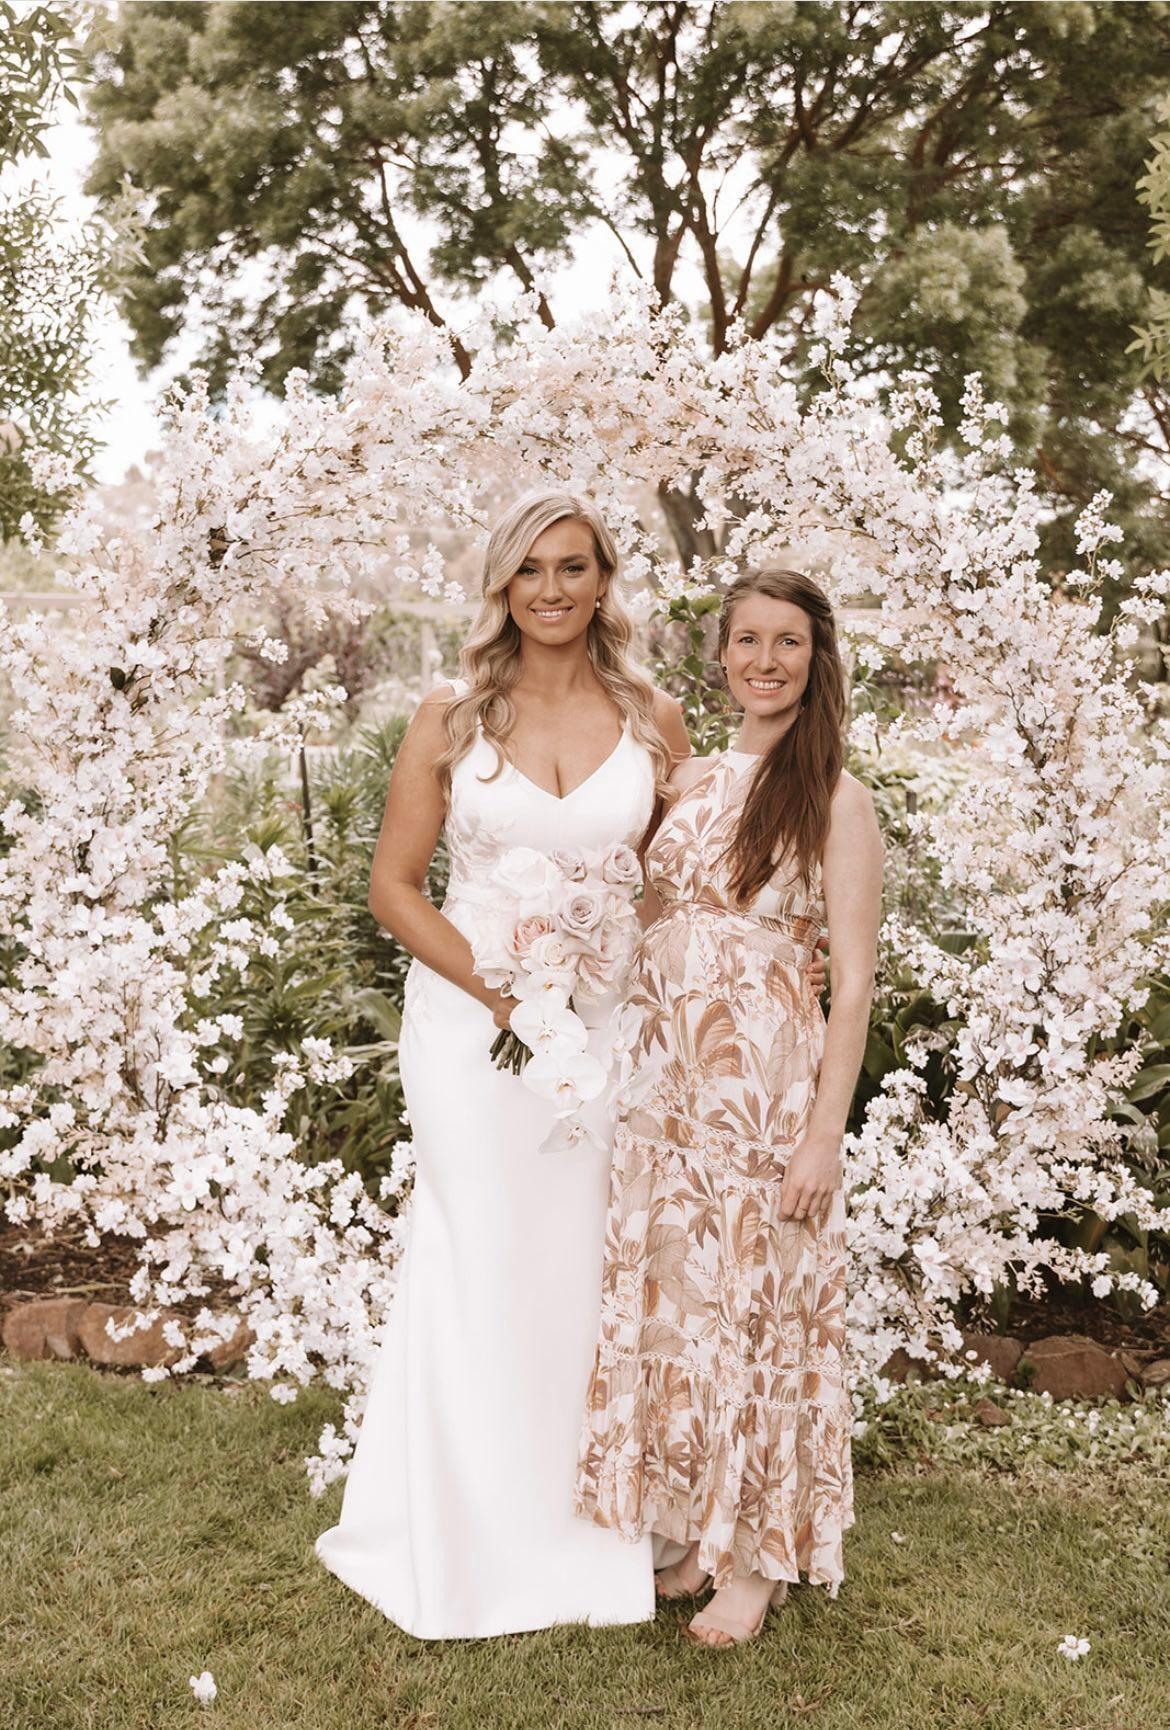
(457, 1519)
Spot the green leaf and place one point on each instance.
(956, 942)
(1129, 1113)
(1147, 1082)
(879, 1057)
(377, 1007)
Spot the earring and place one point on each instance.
(597, 604)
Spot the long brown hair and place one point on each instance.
(787, 804)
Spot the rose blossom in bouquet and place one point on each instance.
(560, 938)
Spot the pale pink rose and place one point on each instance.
(604, 963)
(527, 930)
(570, 862)
(582, 913)
(620, 865)
(550, 951)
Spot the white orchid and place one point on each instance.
(567, 1075)
(548, 1025)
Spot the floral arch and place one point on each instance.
(1057, 843)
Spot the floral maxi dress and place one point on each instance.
(718, 1407)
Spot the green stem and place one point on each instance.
(509, 1051)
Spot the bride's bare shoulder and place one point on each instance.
(427, 735)
(439, 697)
(668, 718)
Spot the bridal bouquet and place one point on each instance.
(560, 937)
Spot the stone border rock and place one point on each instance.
(1067, 1366)
(73, 1327)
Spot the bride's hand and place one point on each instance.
(812, 1175)
(501, 1008)
(815, 971)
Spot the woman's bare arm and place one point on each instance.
(406, 843)
(852, 878)
(668, 717)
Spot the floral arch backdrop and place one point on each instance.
(1057, 845)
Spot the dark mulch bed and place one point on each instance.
(32, 1266)
(1069, 1312)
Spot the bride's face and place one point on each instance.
(554, 593)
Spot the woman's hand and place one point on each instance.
(812, 1175)
(815, 970)
(501, 1008)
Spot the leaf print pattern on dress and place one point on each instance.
(718, 1407)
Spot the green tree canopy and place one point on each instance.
(973, 166)
(1152, 340)
(52, 274)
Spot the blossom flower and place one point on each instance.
(1047, 825)
(1073, 1648)
(547, 1024)
(549, 954)
(203, 1687)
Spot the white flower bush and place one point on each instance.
(1056, 842)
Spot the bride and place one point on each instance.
(457, 1519)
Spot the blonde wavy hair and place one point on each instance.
(491, 657)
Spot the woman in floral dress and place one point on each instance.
(718, 1415)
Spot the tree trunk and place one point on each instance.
(681, 510)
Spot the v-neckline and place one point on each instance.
(560, 798)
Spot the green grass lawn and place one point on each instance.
(153, 1532)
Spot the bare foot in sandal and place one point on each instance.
(737, 1612)
(683, 1579)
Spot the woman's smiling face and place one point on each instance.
(554, 593)
(768, 655)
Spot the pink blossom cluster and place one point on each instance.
(1055, 843)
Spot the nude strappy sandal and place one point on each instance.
(668, 1584)
(737, 1632)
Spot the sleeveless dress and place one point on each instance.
(718, 1407)
(457, 1519)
